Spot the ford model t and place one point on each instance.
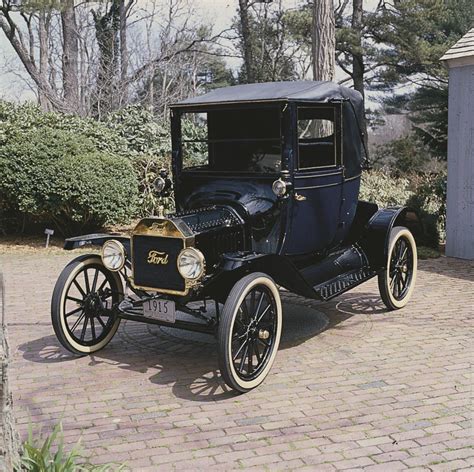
(266, 197)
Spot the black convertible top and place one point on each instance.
(303, 90)
(298, 91)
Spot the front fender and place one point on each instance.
(376, 236)
(96, 240)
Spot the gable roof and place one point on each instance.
(464, 48)
(303, 90)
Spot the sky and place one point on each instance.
(218, 13)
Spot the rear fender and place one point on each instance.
(236, 266)
(376, 236)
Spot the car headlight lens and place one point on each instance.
(159, 184)
(191, 263)
(279, 188)
(113, 255)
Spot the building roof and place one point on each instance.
(462, 52)
(276, 91)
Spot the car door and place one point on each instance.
(318, 180)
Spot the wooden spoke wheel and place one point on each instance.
(81, 305)
(249, 332)
(397, 281)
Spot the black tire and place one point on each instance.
(397, 281)
(245, 324)
(80, 306)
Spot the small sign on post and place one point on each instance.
(48, 233)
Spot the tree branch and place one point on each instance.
(9, 28)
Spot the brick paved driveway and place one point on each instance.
(352, 386)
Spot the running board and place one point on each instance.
(343, 283)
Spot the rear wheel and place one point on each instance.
(81, 305)
(249, 332)
(397, 281)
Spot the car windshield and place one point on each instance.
(232, 140)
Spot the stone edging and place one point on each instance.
(9, 440)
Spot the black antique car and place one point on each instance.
(266, 197)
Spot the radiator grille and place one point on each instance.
(158, 276)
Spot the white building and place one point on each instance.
(460, 200)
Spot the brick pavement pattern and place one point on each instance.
(353, 387)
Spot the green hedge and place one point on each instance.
(384, 189)
(56, 177)
(130, 141)
(18, 119)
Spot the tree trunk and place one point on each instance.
(247, 41)
(123, 52)
(107, 32)
(9, 28)
(70, 56)
(357, 54)
(324, 40)
(43, 34)
(358, 67)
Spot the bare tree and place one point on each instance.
(107, 27)
(124, 59)
(23, 45)
(269, 49)
(43, 39)
(170, 51)
(323, 40)
(70, 56)
(92, 57)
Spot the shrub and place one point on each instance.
(404, 156)
(141, 131)
(57, 177)
(18, 119)
(49, 454)
(132, 133)
(425, 193)
(195, 151)
(429, 201)
(147, 168)
(149, 145)
(384, 189)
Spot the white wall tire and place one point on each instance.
(251, 319)
(79, 321)
(397, 281)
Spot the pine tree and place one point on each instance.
(323, 40)
(411, 36)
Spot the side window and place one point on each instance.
(316, 137)
(194, 140)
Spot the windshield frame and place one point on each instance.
(177, 140)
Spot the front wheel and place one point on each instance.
(397, 281)
(249, 332)
(81, 305)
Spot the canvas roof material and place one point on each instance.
(464, 48)
(298, 91)
(311, 91)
